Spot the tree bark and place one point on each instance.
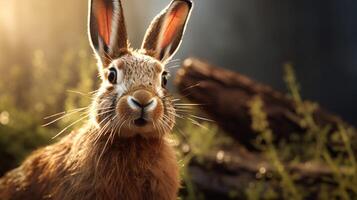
(224, 95)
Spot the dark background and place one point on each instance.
(248, 36)
(257, 37)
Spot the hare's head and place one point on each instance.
(132, 99)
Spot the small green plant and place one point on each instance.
(196, 141)
(318, 145)
(260, 124)
(317, 137)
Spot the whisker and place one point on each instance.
(196, 123)
(101, 113)
(72, 124)
(182, 133)
(168, 119)
(156, 127)
(184, 111)
(78, 92)
(115, 127)
(176, 115)
(94, 91)
(174, 66)
(188, 104)
(166, 123)
(105, 112)
(192, 86)
(160, 128)
(62, 117)
(172, 61)
(101, 154)
(119, 131)
(77, 121)
(201, 118)
(111, 135)
(64, 112)
(69, 113)
(102, 129)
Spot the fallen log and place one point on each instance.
(225, 96)
(234, 171)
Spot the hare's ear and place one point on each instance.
(164, 35)
(107, 31)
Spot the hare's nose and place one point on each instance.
(143, 100)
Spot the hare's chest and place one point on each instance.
(135, 172)
(154, 184)
(134, 185)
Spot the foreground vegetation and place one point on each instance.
(311, 149)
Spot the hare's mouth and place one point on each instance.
(140, 111)
(140, 122)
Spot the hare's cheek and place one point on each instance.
(120, 89)
(170, 112)
(103, 110)
(160, 91)
(120, 86)
(120, 76)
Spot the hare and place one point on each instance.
(121, 153)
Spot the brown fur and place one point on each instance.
(134, 168)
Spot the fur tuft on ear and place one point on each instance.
(164, 35)
(107, 30)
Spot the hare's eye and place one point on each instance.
(164, 78)
(112, 76)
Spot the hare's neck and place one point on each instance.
(111, 165)
(104, 152)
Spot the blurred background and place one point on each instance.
(248, 36)
(44, 55)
